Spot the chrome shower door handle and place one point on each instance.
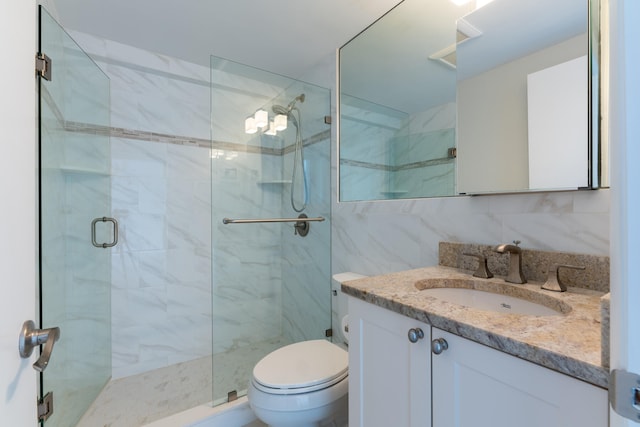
(30, 338)
(115, 232)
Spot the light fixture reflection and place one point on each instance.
(250, 125)
(262, 118)
(272, 129)
(280, 122)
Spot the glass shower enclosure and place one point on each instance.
(271, 284)
(75, 234)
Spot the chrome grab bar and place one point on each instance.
(253, 221)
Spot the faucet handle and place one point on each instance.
(553, 282)
(483, 269)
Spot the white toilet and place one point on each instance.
(304, 384)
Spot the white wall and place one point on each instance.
(625, 181)
(18, 214)
(492, 112)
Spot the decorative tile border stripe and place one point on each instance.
(367, 165)
(314, 139)
(48, 99)
(414, 165)
(140, 135)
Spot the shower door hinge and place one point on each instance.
(232, 396)
(45, 407)
(327, 120)
(328, 332)
(43, 66)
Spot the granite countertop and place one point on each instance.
(569, 343)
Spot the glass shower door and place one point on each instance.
(271, 286)
(75, 291)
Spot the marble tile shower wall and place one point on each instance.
(161, 196)
(382, 147)
(423, 167)
(247, 258)
(306, 266)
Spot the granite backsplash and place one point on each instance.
(535, 264)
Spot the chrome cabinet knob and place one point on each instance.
(415, 334)
(439, 345)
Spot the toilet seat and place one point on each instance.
(302, 367)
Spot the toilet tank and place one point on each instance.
(339, 306)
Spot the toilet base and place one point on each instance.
(334, 414)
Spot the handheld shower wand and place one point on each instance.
(298, 158)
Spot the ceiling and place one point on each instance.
(283, 36)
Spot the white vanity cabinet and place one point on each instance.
(389, 376)
(474, 385)
(396, 382)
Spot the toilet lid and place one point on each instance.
(306, 364)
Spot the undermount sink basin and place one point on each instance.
(492, 296)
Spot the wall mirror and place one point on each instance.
(438, 99)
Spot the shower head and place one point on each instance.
(279, 109)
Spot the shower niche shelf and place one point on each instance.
(394, 194)
(79, 171)
(274, 182)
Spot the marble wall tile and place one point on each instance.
(471, 219)
(306, 297)
(161, 307)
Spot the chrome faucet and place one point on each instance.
(515, 261)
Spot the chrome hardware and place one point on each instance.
(115, 232)
(30, 338)
(515, 274)
(43, 66)
(439, 345)
(553, 282)
(232, 396)
(45, 407)
(624, 394)
(301, 227)
(255, 221)
(327, 120)
(415, 334)
(483, 269)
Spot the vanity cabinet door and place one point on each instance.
(474, 385)
(389, 376)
